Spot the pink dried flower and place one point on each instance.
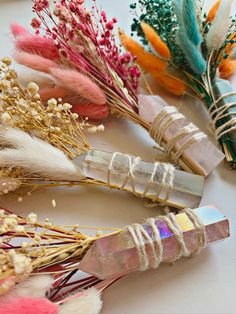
(40, 5)
(35, 23)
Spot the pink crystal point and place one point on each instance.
(116, 255)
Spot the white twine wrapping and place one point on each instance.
(166, 181)
(170, 114)
(217, 114)
(144, 242)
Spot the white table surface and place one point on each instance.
(204, 284)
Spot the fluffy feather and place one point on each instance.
(146, 60)
(89, 303)
(34, 62)
(212, 13)
(38, 45)
(36, 156)
(28, 306)
(80, 84)
(155, 41)
(18, 30)
(218, 30)
(190, 22)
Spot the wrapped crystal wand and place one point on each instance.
(160, 240)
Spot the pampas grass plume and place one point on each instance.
(34, 62)
(80, 84)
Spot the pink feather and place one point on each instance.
(52, 92)
(93, 112)
(35, 62)
(38, 45)
(28, 306)
(79, 84)
(18, 30)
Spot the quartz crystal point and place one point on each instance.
(186, 191)
(201, 157)
(222, 88)
(116, 255)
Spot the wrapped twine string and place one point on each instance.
(170, 114)
(217, 114)
(145, 243)
(166, 181)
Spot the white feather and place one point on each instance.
(89, 303)
(219, 29)
(36, 156)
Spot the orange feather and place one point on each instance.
(147, 61)
(155, 41)
(212, 13)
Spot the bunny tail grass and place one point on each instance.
(89, 303)
(93, 112)
(35, 62)
(80, 84)
(36, 157)
(18, 30)
(38, 45)
(218, 29)
(52, 92)
(146, 60)
(155, 41)
(190, 22)
(227, 68)
(212, 13)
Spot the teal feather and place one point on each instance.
(191, 52)
(190, 21)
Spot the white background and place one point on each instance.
(204, 284)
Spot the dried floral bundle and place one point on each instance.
(40, 259)
(52, 255)
(40, 143)
(80, 46)
(200, 47)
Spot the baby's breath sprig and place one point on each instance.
(23, 109)
(29, 246)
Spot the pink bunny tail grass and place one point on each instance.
(93, 112)
(28, 306)
(52, 92)
(38, 45)
(35, 62)
(80, 84)
(18, 30)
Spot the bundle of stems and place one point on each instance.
(29, 247)
(40, 143)
(80, 43)
(195, 49)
